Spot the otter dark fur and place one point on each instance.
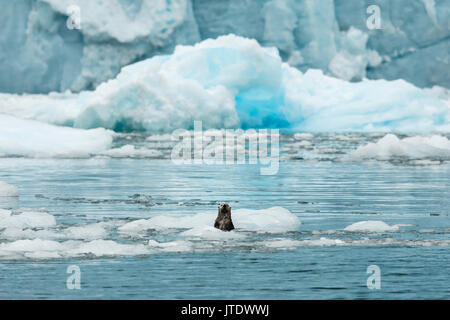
(223, 220)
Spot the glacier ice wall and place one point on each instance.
(233, 82)
(40, 54)
(414, 39)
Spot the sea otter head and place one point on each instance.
(225, 210)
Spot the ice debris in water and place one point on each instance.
(28, 234)
(371, 226)
(8, 190)
(414, 147)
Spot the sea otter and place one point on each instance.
(223, 220)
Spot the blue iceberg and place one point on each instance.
(233, 82)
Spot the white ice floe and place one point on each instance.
(26, 219)
(29, 224)
(31, 138)
(286, 244)
(130, 151)
(290, 244)
(105, 248)
(48, 249)
(164, 222)
(35, 246)
(271, 220)
(34, 234)
(303, 136)
(90, 231)
(414, 147)
(160, 138)
(172, 246)
(211, 233)
(8, 190)
(27, 234)
(324, 242)
(371, 226)
(281, 244)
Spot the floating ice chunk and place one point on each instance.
(87, 232)
(49, 249)
(285, 244)
(104, 248)
(16, 233)
(8, 190)
(415, 147)
(56, 108)
(30, 138)
(327, 104)
(324, 242)
(426, 231)
(211, 233)
(425, 162)
(160, 138)
(32, 246)
(169, 222)
(300, 144)
(4, 214)
(41, 225)
(42, 255)
(271, 220)
(303, 136)
(172, 246)
(371, 226)
(26, 219)
(130, 151)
